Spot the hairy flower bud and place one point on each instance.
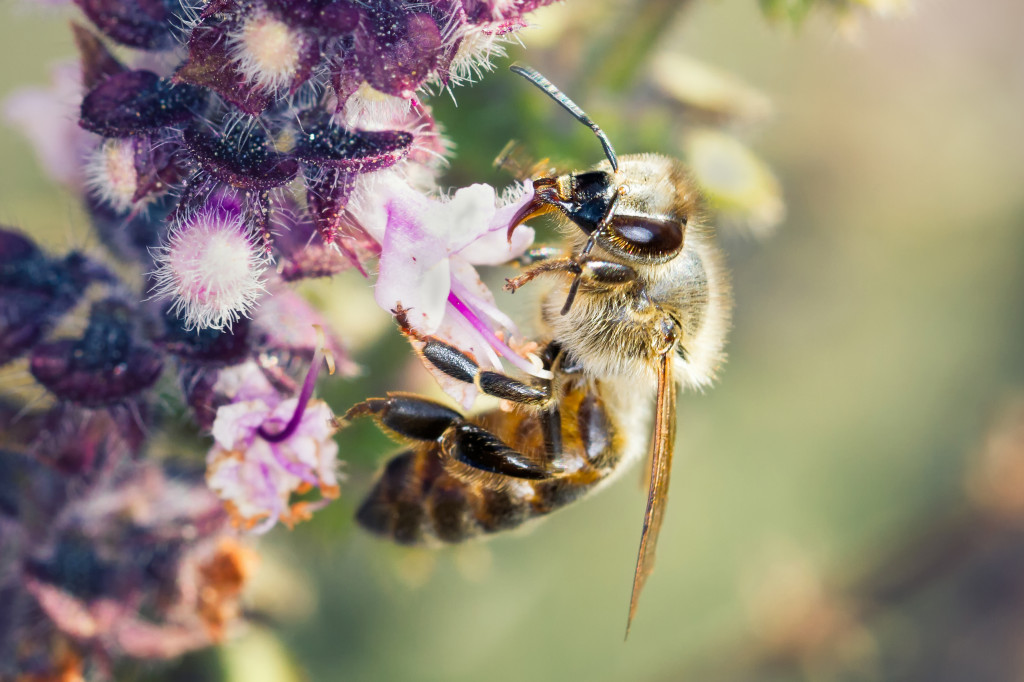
(110, 173)
(266, 51)
(211, 267)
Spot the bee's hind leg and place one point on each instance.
(412, 417)
(407, 415)
(480, 449)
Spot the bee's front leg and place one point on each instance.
(537, 255)
(592, 272)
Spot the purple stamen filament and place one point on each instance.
(485, 331)
(300, 408)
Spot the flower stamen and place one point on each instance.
(321, 356)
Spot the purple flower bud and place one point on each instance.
(111, 175)
(34, 289)
(211, 65)
(104, 366)
(271, 54)
(212, 266)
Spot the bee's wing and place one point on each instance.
(662, 445)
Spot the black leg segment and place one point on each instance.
(460, 366)
(450, 360)
(481, 449)
(507, 388)
(408, 415)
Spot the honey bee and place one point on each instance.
(639, 302)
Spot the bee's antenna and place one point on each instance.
(554, 93)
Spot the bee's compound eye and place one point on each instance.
(644, 236)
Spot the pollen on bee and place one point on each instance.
(110, 173)
(266, 51)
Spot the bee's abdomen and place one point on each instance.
(416, 500)
(423, 495)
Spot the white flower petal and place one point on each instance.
(462, 219)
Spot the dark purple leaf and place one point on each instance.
(137, 23)
(208, 347)
(34, 289)
(24, 318)
(76, 569)
(242, 157)
(137, 102)
(97, 62)
(326, 144)
(335, 18)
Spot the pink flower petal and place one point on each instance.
(414, 268)
(49, 119)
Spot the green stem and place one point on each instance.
(638, 30)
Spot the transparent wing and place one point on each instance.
(662, 445)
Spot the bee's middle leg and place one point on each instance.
(462, 367)
(458, 365)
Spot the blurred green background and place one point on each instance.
(876, 347)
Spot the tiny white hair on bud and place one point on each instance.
(211, 267)
(110, 173)
(266, 51)
(476, 54)
(371, 109)
(190, 16)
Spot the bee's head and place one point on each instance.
(632, 227)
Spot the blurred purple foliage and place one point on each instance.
(218, 148)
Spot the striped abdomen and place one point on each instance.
(423, 495)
